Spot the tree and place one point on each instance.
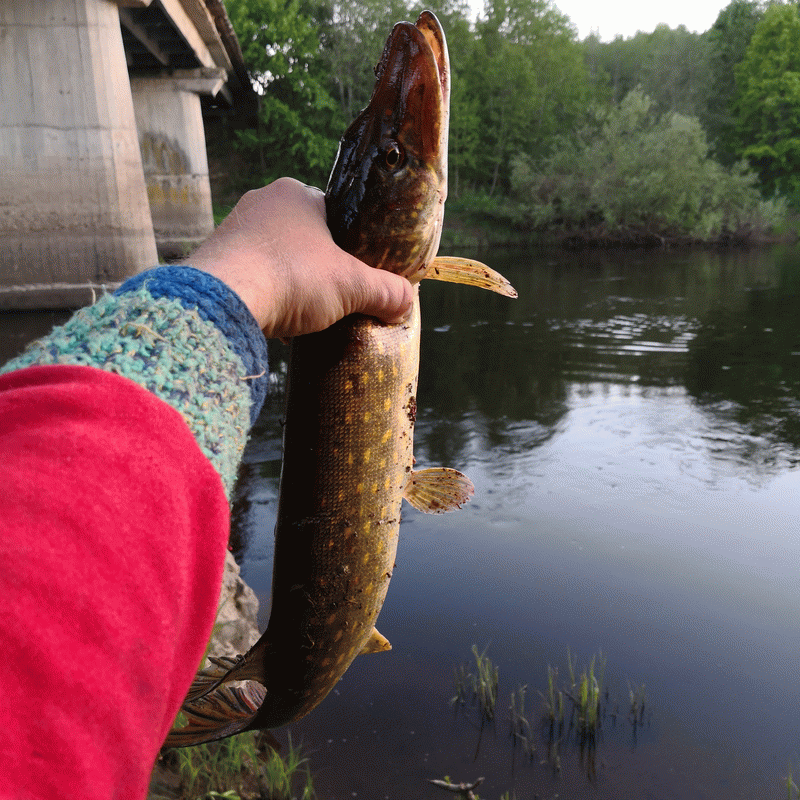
(767, 102)
(298, 126)
(728, 40)
(669, 65)
(528, 77)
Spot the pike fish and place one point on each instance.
(350, 413)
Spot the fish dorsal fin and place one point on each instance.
(438, 489)
(224, 712)
(377, 643)
(472, 273)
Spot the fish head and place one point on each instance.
(386, 193)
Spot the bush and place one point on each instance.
(630, 170)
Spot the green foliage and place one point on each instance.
(669, 65)
(728, 40)
(527, 78)
(631, 170)
(298, 125)
(767, 104)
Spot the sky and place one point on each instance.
(626, 17)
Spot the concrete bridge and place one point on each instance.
(103, 165)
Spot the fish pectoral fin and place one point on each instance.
(377, 643)
(472, 273)
(224, 712)
(438, 489)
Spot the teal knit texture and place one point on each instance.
(171, 352)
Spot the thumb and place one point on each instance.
(384, 295)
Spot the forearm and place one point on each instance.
(184, 336)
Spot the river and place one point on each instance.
(632, 427)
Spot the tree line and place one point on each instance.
(670, 133)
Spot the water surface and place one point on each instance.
(631, 424)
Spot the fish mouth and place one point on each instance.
(406, 90)
(404, 127)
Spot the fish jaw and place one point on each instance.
(386, 194)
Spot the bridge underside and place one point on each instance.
(102, 147)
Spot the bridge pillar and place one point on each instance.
(73, 205)
(173, 147)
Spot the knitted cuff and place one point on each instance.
(170, 350)
(215, 302)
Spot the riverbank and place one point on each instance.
(482, 223)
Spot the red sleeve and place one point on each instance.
(113, 527)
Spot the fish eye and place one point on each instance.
(393, 156)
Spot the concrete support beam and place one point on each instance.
(74, 213)
(172, 141)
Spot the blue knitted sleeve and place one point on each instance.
(186, 337)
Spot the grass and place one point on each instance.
(240, 766)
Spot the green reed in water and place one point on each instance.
(792, 790)
(479, 687)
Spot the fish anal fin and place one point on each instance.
(377, 643)
(226, 711)
(470, 272)
(438, 489)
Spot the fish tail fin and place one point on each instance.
(473, 273)
(211, 677)
(226, 711)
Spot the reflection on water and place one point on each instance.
(631, 427)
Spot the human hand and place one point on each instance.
(275, 251)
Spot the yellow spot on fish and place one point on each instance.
(374, 488)
(359, 488)
(387, 404)
(365, 559)
(369, 587)
(380, 374)
(350, 458)
(367, 416)
(367, 454)
(365, 377)
(383, 511)
(387, 483)
(386, 435)
(348, 417)
(383, 463)
(381, 347)
(348, 386)
(394, 369)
